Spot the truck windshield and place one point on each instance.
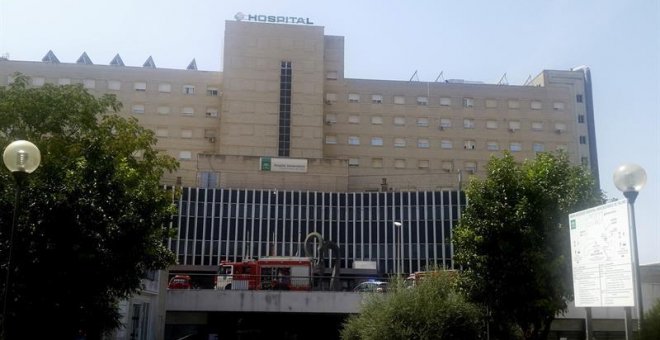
(225, 270)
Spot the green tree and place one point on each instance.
(91, 218)
(514, 244)
(650, 328)
(431, 310)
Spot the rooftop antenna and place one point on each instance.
(440, 76)
(414, 76)
(528, 81)
(503, 80)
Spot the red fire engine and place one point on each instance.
(270, 273)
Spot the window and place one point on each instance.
(514, 104)
(353, 162)
(185, 155)
(422, 122)
(353, 140)
(445, 123)
(61, 81)
(376, 162)
(163, 110)
(578, 98)
(469, 145)
(114, 85)
(491, 103)
(515, 147)
(186, 133)
(331, 75)
(162, 132)
(536, 105)
(514, 125)
(377, 99)
(330, 98)
(188, 111)
(423, 143)
(212, 91)
(423, 163)
(330, 118)
(446, 144)
(353, 119)
(353, 98)
(399, 163)
(538, 147)
(537, 126)
(138, 109)
(399, 142)
(422, 101)
(211, 112)
(188, 89)
(492, 146)
(140, 86)
(560, 127)
(447, 166)
(164, 88)
(399, 100)
(445, 101)
(471, 167)
(468, 102)
(330, 139)
(38, 81)
(207, 179)
(399, 121)
(581, 119)
(377, 141)
(558, 106)
(377, 120)
(583, 139)
(468, 123)
(89, 83)
(491, 124)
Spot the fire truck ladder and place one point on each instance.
(319, 261)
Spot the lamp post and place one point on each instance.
(21, 158)
(397, 248)
(630, 179)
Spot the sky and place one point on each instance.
(472, 40)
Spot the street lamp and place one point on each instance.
(21, 158)
(630, 179)
(397, 248)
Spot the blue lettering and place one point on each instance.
(262, 18)
(252, 17)
(271, 18)
(309, 22)
(281, 19)
(300, 21)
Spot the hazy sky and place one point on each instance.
(473, 40)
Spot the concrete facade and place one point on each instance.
(415, 135)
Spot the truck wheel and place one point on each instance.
(228, 287)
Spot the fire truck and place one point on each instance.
(269, 273)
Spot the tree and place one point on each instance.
(650, 328)
(91, 218)
(431, 310)
(514, 244)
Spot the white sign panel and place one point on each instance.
(283, 164)
(600, 249)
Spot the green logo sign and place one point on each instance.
(265, 163)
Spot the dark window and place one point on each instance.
(583, 139)
(580, 118)
(284, 144)
(578, 98)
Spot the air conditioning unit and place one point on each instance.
(558, 131)
(441, 128)
(512, 129)
(329, 122)
(211, 139)
(328, 102)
